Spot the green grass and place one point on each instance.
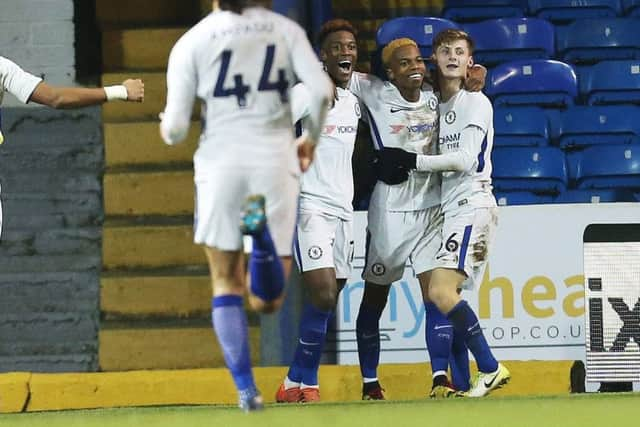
(564, 411)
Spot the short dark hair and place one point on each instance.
(238, 5)
(335, 25)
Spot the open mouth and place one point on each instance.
(452, 67)
(345, 65)
(416, 76)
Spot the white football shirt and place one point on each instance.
(412, 126)
(17, 82)
(328, 184)
(466, 139)
(242, 67)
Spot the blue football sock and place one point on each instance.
(313, 331)
(459, 363)
(230, 325)
(267, 273)
(439, 336)
(466, 324)
(368, 336)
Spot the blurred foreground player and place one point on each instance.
(241, 61)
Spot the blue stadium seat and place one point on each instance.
(582, 125)
(541, 82)
(520, 126)
(503, 40)
(569, 10)
(595, 196)
(478, 10)
(537, 169)
(612, 82)
(593, 40)
(514, 198)
(631, 7)
(418, 28)
(610, 166)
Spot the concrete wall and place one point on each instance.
(39, 36)
(51, 175)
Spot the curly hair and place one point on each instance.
(333, 26)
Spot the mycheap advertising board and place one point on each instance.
(530, 303)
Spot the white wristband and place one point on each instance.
(116, 92)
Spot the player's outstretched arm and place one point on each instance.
(75, 97)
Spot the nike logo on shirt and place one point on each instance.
(395, 110)
(442, 327)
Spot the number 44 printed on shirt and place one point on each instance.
(240, 90)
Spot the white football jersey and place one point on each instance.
(242, 66)
(412, 126)
(463, 111)
(328, 184)
(17, 82)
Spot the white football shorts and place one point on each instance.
(324, 241)
(221, 194)
(466, 239)
(395, 237)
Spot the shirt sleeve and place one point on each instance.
(300, 100)
(305, 65)
(181, 93)
(463, 160)
(16, 81)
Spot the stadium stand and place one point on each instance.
(515, 198)
(509, 39)
(608, 167)
(478, 10)
(595, 196)
(593, 40)
(612, 82)
(569, 10)
(518, 126)
(631, 7)
(534, 169)
(541, 82)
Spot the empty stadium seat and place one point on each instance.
(537, 169)
(418, 28)
(612, 82)
(503, 40)
(478, 10)
(593, 40)
(610, 166)
(631, 7)
(582, 126)
(539, 82)
(569, 10)
(595, 196)
(520, 126)
(514, 198)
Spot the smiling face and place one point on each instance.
(406, 68)
(339, 54)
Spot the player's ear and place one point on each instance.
(470, 63)
(323, 55)
(389, 73)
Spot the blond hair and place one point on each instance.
(388, 50)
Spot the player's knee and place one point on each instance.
(375, 295)
(325, 300)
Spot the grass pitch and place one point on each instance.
(564, 411)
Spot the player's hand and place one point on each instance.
(398, 157)
(476, 78)
(389, 172)
(135, 90)
(306, 150)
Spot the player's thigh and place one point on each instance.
(428, 225)
(343, 249)
(390, 240)
(218, 202)
(467, 237)
(280, 189)
(313, 243)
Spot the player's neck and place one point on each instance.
(449, 88)
(410, 94)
